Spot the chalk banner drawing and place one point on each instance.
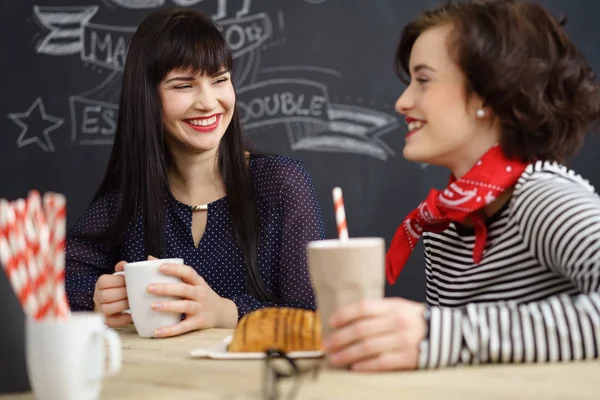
(302, 107)
(296, 105)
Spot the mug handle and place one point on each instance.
(113, 341)
(114, 351)
(122, 273)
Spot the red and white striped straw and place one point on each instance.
(32, 251)
(340, 213)
(38, 241)
(13, 256)
(59, 227)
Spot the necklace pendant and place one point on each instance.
(201, 207)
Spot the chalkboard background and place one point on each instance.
(315, 82)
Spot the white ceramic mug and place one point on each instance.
(66, 358)
(138, 275)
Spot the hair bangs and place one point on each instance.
(197, 47)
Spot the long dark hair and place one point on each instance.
(174, 38)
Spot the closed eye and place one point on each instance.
(183, 87)
(222, 80)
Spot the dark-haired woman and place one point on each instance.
(181, 182)
(497, 94)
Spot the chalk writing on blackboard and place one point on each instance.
(303, 109)
(139, 4)
(66, 28)
(106, 45)
(295, 103)
(221, 6)
(36, 126)
(298, 68)
(94, 113)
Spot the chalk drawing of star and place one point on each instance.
(36, 126)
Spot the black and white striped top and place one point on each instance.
(535, 296)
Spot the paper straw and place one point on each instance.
(29, 250)
(39, 233)
(55, 207)
(340, 213)
(60, 224)
(36, 244)
(38, 237)
(12, 254)
(12, 273)
(32, 251)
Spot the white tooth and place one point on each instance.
(203, 122)
(415, 125)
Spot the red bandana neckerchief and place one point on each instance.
(482, 184)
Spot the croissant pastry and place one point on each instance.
(286, 329)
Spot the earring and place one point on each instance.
(480, 113)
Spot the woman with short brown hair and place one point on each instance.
(497, 94)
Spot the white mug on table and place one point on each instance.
(138, 275)
(66, 358)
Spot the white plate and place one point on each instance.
(219, 351)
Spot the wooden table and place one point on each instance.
(162, 369)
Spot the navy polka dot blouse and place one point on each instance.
(290, 217)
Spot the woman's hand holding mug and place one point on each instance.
(110, 298)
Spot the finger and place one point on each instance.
(182, 290)
(392, 361)
(362, 309)
(358, 330)
(113, 308)
(118, 320)
(152, 258)
(185, 272)
(178, 306)
(120, 266)
(110, 281)
(367, 348)
(110, 295)
(179, 328)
